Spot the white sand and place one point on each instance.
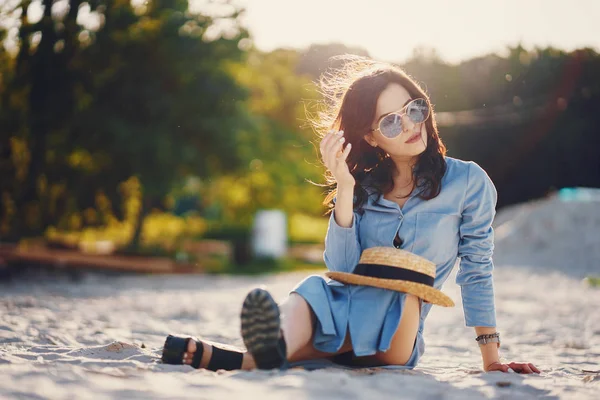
(560, 233)
(61, 339)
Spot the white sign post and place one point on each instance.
(269, 234)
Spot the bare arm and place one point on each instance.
(334, 157)
(343, 206)
(342, 245)
(489, 352)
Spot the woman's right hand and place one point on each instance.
(335, 159)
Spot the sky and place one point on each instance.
(391, 29)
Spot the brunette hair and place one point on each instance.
(350, 96)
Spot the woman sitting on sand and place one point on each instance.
(393, 187)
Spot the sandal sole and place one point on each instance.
(261, 329)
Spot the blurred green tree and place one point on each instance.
(278, 156)
(163, 101)
(39, 100)
(143, 91)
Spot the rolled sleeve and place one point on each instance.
(342, 245)
(475, 249)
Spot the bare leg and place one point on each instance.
(403, 341)
(298, 325)
(308, 352)
(297, 320)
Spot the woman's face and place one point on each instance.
(393, 98)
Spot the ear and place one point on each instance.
(369, 139)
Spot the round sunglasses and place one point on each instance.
(392, 125)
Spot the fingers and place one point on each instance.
(345, 153)
(334, 143)
(326, 139)
(521, 368)
(329, 138)
(330, 142)
(524, 368)
(334, 147)
(516, 367)
(534, 368)
(497, 366)
(323, 146)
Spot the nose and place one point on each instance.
(408, 124)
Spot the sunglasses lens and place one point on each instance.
(418, 111)
(391, 125)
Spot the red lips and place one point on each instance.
(413, 137)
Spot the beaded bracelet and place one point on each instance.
(488, 338)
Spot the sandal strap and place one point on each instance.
(225, 359)
(197, 354)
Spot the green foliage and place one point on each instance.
(267, 265)
(307, 229)
(136, 97)
(592, 281)
(281, 137)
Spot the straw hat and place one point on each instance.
(395, 269)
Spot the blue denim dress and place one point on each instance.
(456, 223)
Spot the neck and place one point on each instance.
(404, 167)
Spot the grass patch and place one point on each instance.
(592, 281)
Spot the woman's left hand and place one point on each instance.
(521, 368)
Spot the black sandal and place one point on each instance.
(175, 346)
(261, 330)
